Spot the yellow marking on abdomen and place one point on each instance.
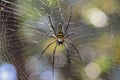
(60, 36)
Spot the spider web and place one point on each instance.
(24, 34)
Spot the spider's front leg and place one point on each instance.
(52, 25)
(68, 21)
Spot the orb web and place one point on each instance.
(94, 30)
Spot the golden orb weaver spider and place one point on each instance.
(60, 40)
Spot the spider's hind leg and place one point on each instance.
(45, 49)
(75, 50)
(68, 56)
(53, 59)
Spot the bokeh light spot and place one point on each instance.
(8, 72)
(92, 70)
(97, 17)
(48, 75)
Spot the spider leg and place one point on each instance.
(68, 57)
(53, 59)
(70, 34)
(45, 49)
(75, 50)
(49, 36)
(69, 21)
(52, 25)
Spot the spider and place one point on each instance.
(60, 37)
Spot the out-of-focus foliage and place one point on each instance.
(117, 50)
